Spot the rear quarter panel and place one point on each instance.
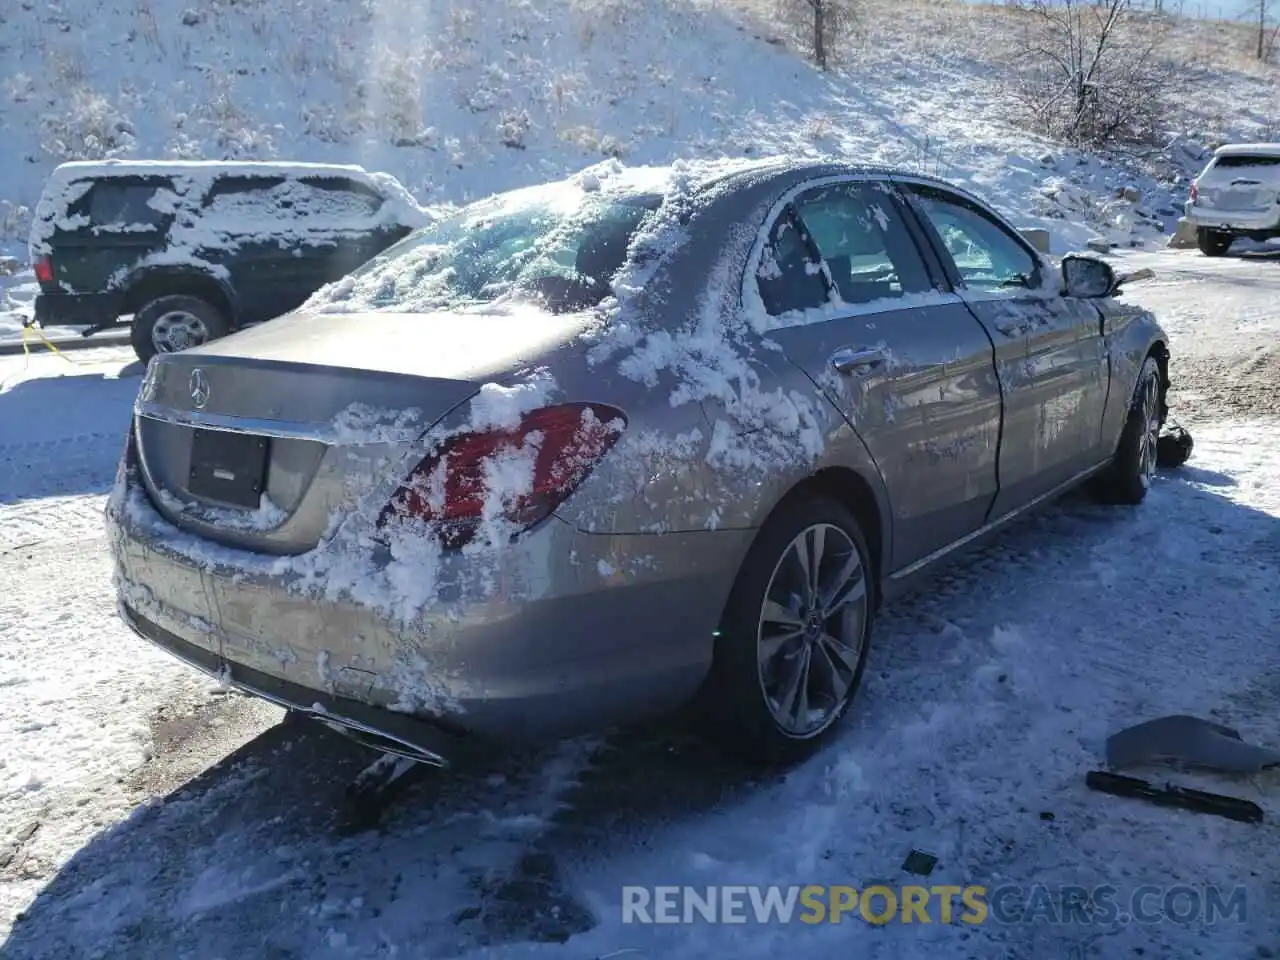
(722, 424)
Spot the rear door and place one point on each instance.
(116, 223)
(853, 303)
(338, 220)
(1050, 354)
(243, 230)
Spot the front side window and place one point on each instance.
(986, 255)
(869, 251)
(558, 246)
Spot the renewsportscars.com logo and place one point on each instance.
(971, 905)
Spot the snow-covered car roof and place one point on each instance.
(1248, 150)
(192, 178)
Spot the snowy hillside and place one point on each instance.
(459, 99)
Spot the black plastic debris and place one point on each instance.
(1188, 741)
(920, 863)
(1174, 446)
(1170, 795)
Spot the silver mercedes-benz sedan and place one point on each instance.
(585, 452)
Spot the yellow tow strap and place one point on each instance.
(26, 342)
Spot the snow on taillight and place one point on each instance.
(1195, 192)
(44, 269)
(516, 476)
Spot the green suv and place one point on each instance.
(194, 250)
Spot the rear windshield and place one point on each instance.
(1236, 161)
(558, 246)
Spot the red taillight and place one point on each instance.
(1195, 191)
(516, 477)
(44, 270)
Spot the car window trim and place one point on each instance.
(911, 186)
(785, 206)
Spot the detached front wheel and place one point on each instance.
(1133, 468)
(793, 642)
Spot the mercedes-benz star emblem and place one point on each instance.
(199, 385)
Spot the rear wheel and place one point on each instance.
(1213, 243)
(175, 323)
(1133, 468)
(793, 641)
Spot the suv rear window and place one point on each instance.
(560, 249)
(122, 203)
(1237, 161)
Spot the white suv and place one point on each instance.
(1237, 195)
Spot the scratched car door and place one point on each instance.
(909, 367)
(1050, 353)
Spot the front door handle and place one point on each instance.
(848, 360)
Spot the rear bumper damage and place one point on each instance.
(384, 730)
(615, 628)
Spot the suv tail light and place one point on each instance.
(44, 269)
(1195, 191)
(449, 491)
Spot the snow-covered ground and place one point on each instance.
(459, 101)
(988, 696)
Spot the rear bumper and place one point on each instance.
(1267, 222)
(400, 733)
(619, 628)
(77, 309)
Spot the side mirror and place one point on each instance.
(1087, 277)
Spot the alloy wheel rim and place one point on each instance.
(178, 330)
(1149, 441)
(811, 631)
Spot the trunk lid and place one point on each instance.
(260, 439)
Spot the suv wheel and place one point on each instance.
(174, 323)
(1213, 243)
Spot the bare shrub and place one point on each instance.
(88, 127)
(1092, 73)
(819, 27)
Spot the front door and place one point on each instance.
(1053, 367)
(853, 304)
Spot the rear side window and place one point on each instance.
(789, 276)
(1249, 161)
(280, 202)
(859, 232)
(334, 197)
(126, 205)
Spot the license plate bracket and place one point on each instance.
(228, 467)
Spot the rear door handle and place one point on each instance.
(848, 360)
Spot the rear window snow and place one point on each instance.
(560, 245)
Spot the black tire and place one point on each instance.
(143, 332)
(1175, 448)
(1213, 243)
(1128, 477)
(734, 701)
